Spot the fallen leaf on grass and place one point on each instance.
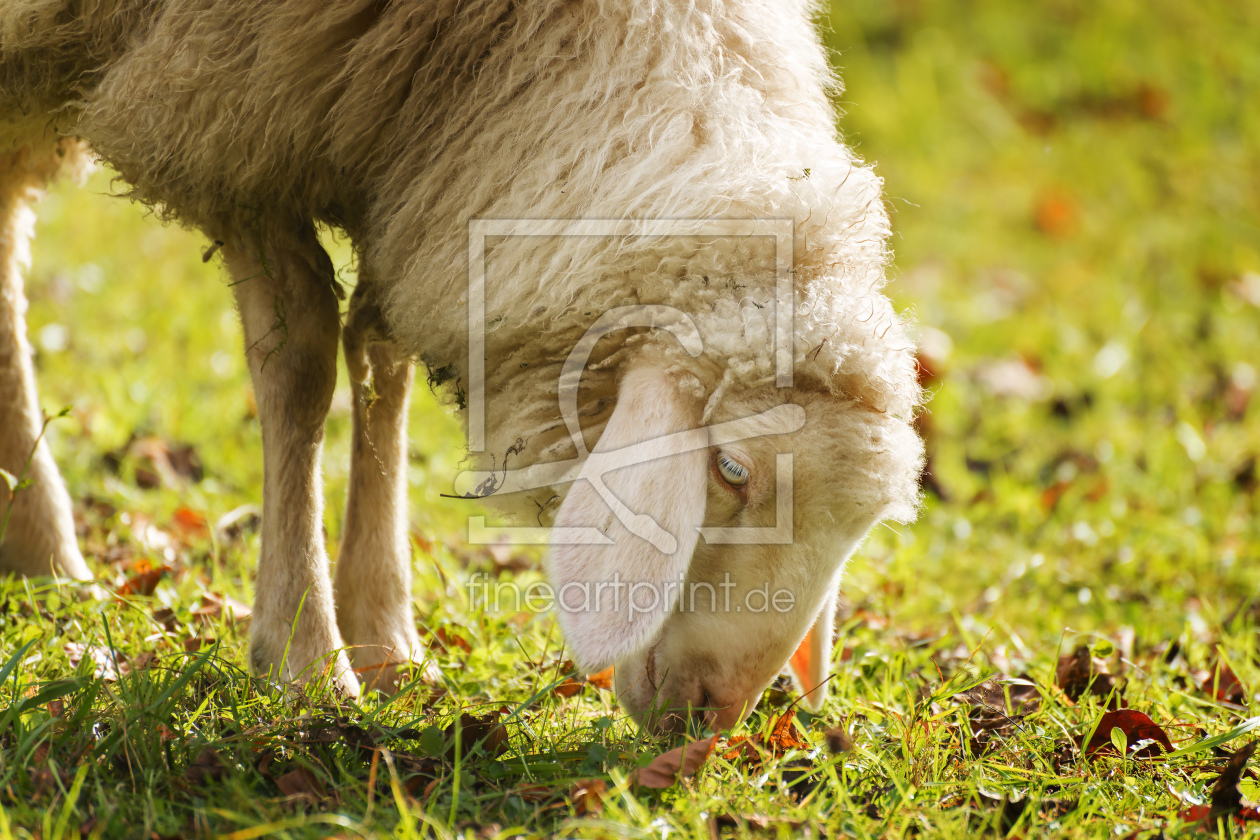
(106, 667)
(487, 731)
(190, 524)
(588, 797)
(574, 685)
(1227, 800)
(1055, 214)
(746, 821)
(603, 680)
(1136, 727)
(569, 687)
(534, 793)
(1080, 673)
(207, 765)
(144, 580)
(449, 641)
(671, 766)
(783, 737)
(167, 618)
(235, 524)
(838, 740)
(302, 784)
(158, 462)
(214, 605)
(992, 717)
(1222, 683)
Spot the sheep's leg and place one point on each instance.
(373, 582)
(38, 538)
(284, 289)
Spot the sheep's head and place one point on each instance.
(724, 540)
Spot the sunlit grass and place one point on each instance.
(1076, 205)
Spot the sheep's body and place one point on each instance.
(400, 121)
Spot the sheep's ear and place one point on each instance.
(612, 598)
(812, 661)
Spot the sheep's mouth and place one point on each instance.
(649, 667)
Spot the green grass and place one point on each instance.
(1076, 196)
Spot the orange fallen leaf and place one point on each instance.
(568, 688)
(782, 738)
(191, 523)
(671, 766)
(783, 735)
(1055, 214)
(449, 640)
(144, 582)
(603, 680)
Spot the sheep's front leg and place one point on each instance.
(373, 584)
(285, 292)
(38, 528)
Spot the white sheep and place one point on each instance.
(478, 139)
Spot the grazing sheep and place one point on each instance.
(406, 121)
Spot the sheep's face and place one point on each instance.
(704, 628)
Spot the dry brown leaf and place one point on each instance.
(207, 765)
(756, 821)
(534, 793)
(588, 797)
(1136, 727)
(1227, 800)
(105, 668)
(1080, 672)
(302, 784)
(167, 618)
(214, 605)
(487, 731)
(671, 766)
(1220, 681)
(838, 740)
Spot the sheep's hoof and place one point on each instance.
(276, 657)
(388, 677)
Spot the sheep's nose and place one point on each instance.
(703, 710)
(721, 715)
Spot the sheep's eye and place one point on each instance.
(732, 471)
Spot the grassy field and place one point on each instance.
(1076, 198)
